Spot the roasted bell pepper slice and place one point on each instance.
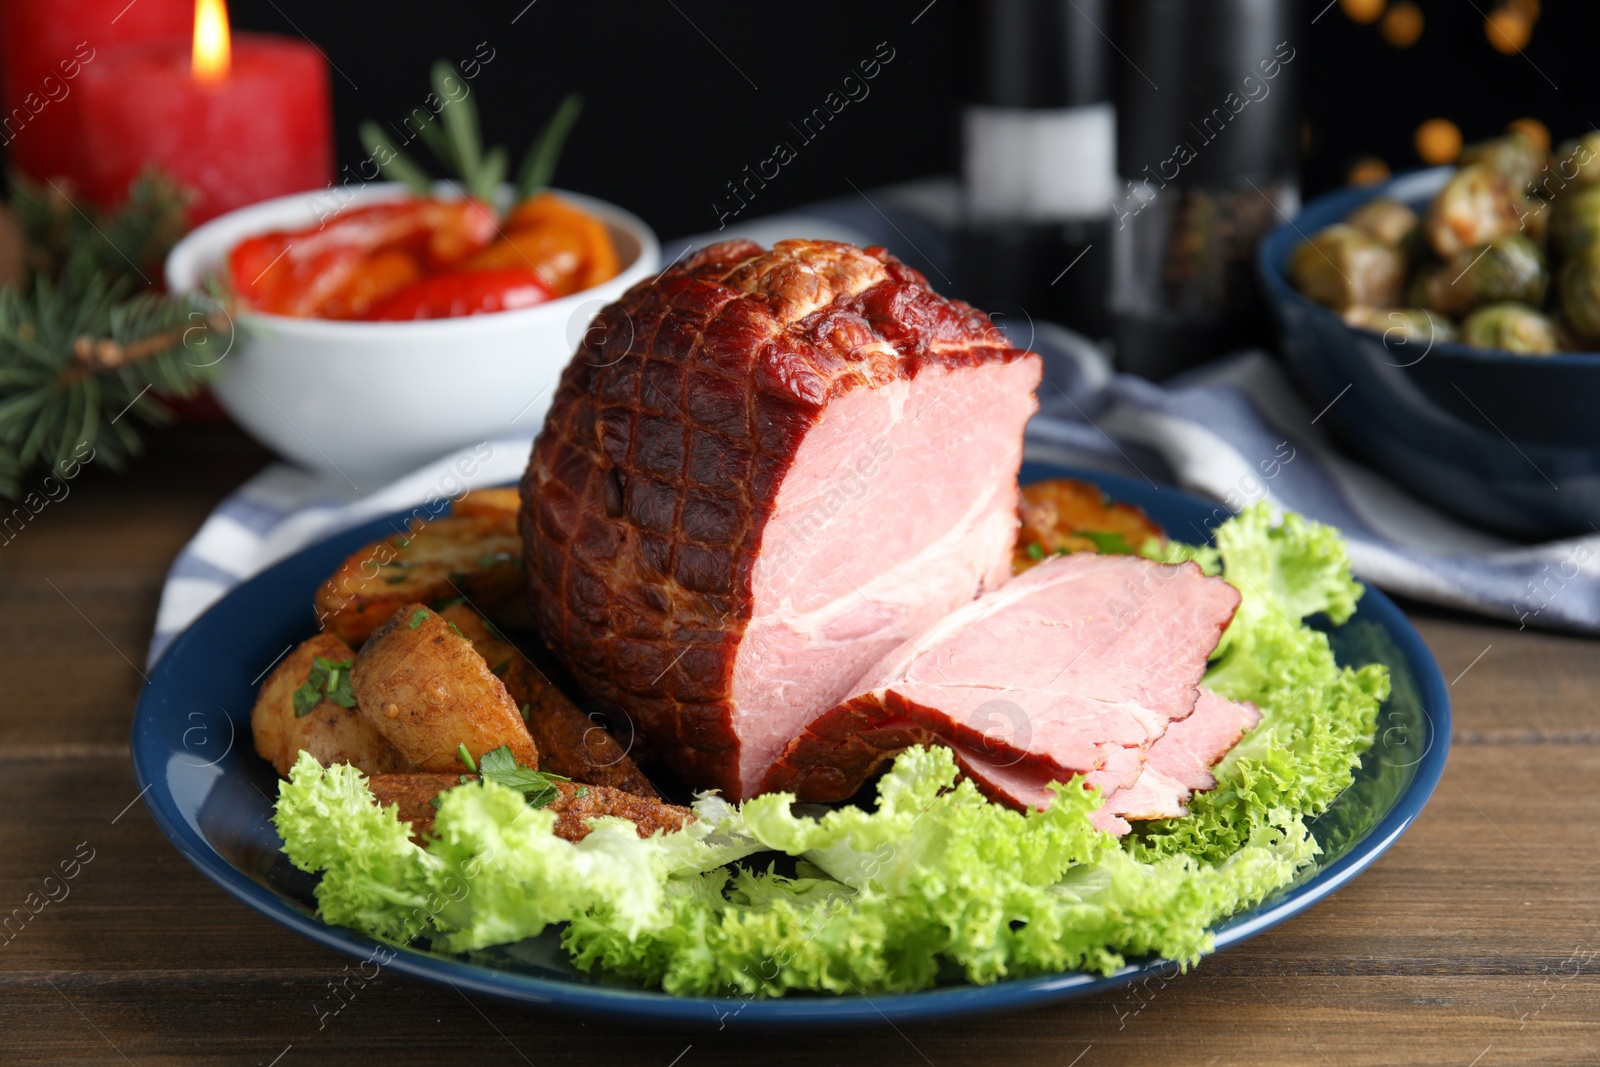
(280, 272)
(475, 292)
(571, 250)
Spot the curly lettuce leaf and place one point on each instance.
(936, 876)
(1317, 718)
(493, 872)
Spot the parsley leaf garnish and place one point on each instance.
(329, 678)
(418, 616)
(1107, 543)
(1035, 550)
(537, 787)
(466, 757)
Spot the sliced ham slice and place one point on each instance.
(1086, 664)
(1060, 670)
(1179, 763)
(843, 749)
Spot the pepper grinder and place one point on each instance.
(1207, 150)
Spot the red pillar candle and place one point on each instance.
(45, 47)
(252, 124)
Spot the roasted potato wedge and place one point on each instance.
(332, 733)
(489, 503)
(478, 557)
(1067, 515)
(428, 691)
(577, 804)
(569, 742)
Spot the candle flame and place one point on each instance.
(213, 50)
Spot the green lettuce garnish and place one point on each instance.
(934, 882)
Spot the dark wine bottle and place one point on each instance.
(1038, 160)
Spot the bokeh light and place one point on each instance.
(1508, 29)
(1438, 141)
(1362, 10)
(1402, 24)
(1368, 170)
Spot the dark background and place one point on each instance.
(681, 94)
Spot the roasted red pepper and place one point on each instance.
(424, 259)
(476, 292)
(303, 272)
(571, 250)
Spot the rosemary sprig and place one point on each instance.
(456, 140)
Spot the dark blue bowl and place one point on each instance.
(1509, 441)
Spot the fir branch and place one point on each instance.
(86, 345)
(130, 242)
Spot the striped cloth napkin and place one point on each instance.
(1234, 430)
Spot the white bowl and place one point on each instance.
(370, 400)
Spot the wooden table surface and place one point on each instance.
(1475, 941)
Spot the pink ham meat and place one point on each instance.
(761, 472)
(1079, 666)
(1176, 766)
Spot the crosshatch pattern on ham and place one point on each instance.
(761, 472)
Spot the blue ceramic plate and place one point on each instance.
(211, 795)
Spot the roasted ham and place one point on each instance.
(762, 472)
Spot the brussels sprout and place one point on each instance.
(1512, 327)
(1385, 218)
(1402, 324)
(1509, 269)
(1341, 266)
(1576, 162)
(1580, 293)
(1474, 207)
(1516, 155)
(1576, 223)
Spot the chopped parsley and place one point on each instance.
(418, 616)
(1035, 550)
(466, 757)
(330, 679)
(456, 628)
(499, 670)
(1108, 543)
(527, 713)
(537, 787)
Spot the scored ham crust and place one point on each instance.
(760, 473)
